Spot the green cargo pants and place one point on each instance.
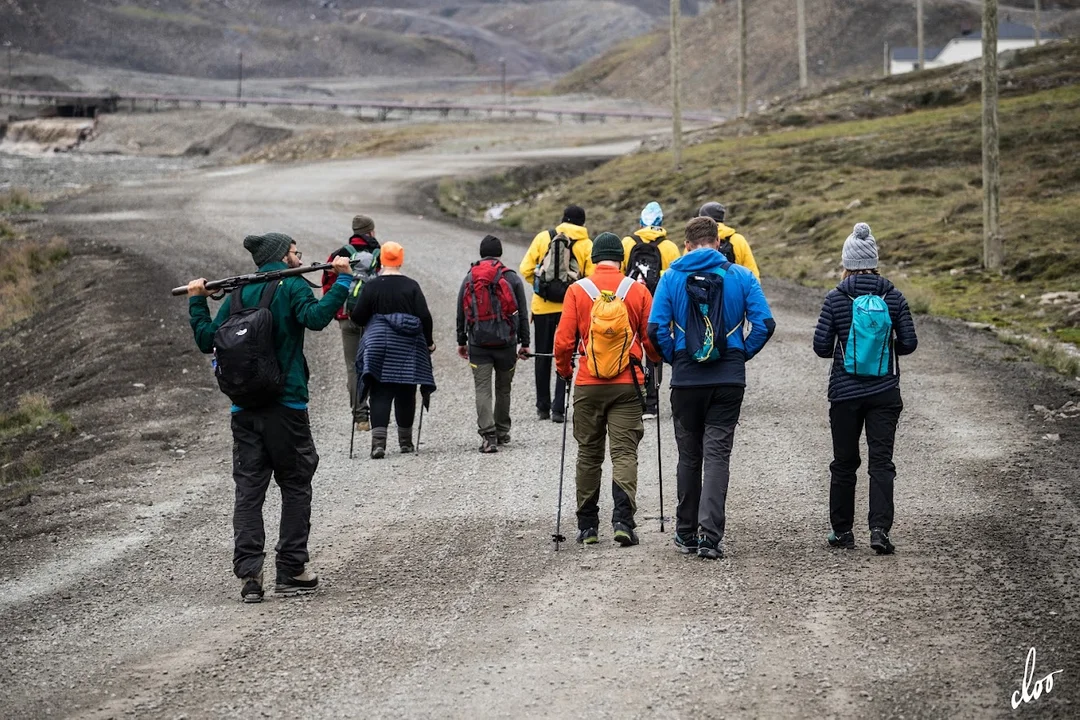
(604, 412)
(493, 414)
(351, 334)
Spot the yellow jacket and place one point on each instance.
(582, 248)
(669, 251)
(743, 255)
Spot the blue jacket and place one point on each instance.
(744, 305)
(393, 350)
(835, 323)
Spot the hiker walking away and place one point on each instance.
(647, 253)
(556, 259)
(366, 266)
(394, 356)
(865, 325)
(701, 306)
(262, 325)
(491, 322)
(605, 318)
(733, 245)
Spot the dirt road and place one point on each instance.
(441, 595)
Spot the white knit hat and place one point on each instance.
(860, 249)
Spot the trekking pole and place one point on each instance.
(536, 355)
(420, 426)
(659, 454)
(558, 536)
(352, 414)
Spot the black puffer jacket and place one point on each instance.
(835, 323)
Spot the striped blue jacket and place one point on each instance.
(393, 350)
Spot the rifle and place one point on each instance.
(227, 285)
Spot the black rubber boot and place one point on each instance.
(404, 438)
(378, 443)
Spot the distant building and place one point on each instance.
(967, 46)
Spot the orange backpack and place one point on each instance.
(607, 347)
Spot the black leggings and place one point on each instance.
(403, 398)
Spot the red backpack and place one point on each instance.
(491, 312)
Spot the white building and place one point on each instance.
(1011, 36)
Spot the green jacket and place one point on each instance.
(294, 308)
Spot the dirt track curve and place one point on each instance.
(441, 595)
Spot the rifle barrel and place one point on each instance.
(241, 280)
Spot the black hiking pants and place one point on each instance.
(400, 395)
(705, 420)
(879, 414)
(544, 340)
(273, 440)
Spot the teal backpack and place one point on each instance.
(870, 338)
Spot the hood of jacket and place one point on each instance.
(651, 234)
(574, 232)
(701, 260)
(724, 232)
(857, 285)
(403, 323)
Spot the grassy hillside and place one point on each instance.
(845, 39)
(916, 178)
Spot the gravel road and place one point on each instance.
(441, 595)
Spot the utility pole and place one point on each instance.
(1038, 23)
(742, 57)
(888, 60)
(800, 9)
(502, 66)
(919, 32)
(240, 76)
(993, 250)
(676, 89)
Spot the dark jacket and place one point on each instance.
(835, 323)
(294, 308)
(393, 350)
(523, 330)
(360, 243)
(744, 306)
(388, 294)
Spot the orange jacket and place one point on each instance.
(577, 315)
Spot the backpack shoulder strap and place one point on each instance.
(267, 296)
(590, 288)
(624, 288)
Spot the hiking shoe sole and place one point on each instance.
(293, 590)
(363, 426)
(625, 539)
(378, 453)
(710, 553)
(883, 548)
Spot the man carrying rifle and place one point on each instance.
(258, 343)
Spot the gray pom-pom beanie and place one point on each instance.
(860, 249)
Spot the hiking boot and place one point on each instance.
(557, 417)
(543, 415)
(252, 591)
(489, 445)
(686, 544)
(651, 412)
(710, 549)
(845, 540)
(588, 536)
(503, 439)
(404, 438)
(880, 542)
(362, 420)
(378, 443)
(302, 584)
(624, 534)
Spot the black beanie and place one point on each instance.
(490, 246)
(713, 210)
(574, 215)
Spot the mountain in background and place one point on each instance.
(845, 39)
(326, 38)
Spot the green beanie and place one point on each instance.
(268, 248)
(607, 246)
